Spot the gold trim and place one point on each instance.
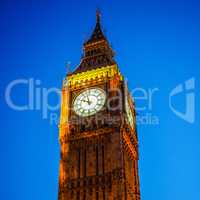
(99, 73)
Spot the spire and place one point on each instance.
(97, 51)
(97, 33)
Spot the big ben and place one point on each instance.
(97, 130)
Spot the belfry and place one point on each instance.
(97, 131)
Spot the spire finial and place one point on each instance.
(68, 65)
(98, 15)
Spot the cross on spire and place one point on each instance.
(98, 15)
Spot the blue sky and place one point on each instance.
(157, 45)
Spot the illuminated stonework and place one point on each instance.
(95, 74)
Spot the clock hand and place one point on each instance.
(84, 100)
(89, 102)
(88, 98)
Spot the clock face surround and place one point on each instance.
(129, 113)
(89, 102)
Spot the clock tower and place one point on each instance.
(98, 135)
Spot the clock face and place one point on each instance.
(129, 114)
(89, 102)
